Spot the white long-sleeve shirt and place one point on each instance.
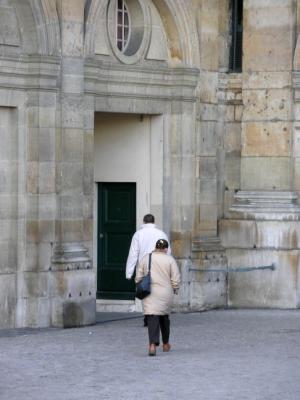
(142, 243)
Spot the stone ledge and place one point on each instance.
(265, 205)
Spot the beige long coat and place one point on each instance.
(165, 277)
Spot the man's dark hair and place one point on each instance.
(149, 219)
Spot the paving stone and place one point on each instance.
(216, 355)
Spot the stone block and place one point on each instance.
(32, 231)
(8, 257)
(278, 234)
(46, 144)
(238, 113)
(88, 178)
(266, 173)
(34, 312)
(7, 300)
(33, 144)
(296, 180)
(71, 207)
(72, 10)
(32, 206)
(33, 284)
(74, 303)
(209, 87)
(8, 230)
(232, 137)
(46, 117)
(267, 105)
(72, 39)
(70, 229)
(207, 295)
(263, 288)
(267, 80)
(207, 139)
(9, 142)
(296, 141)
(207, 167)
(72, 116)
(72, 145)
(297, 112)
(180, 243)
(46, 231)
(228, 201)
(226, 112)
(72, 177)
(9, 26)
(268, 49)
(32, 177)
(208, 217)
(266, 139)
(46, 177)
(232, 173)
(88, 225)
(8, 206)
(47, 206)
(208, 191)
(208, 112)
(237, 233)
(8, 177)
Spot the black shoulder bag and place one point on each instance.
(143, 287)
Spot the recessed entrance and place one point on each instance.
(128, 175)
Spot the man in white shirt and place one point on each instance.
(143, 242)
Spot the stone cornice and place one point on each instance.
(269, 205)
(141, 82)
(29, 72)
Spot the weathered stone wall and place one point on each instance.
(230, 150)
(260, 230)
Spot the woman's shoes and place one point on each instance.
(166, 347)
(152, 350)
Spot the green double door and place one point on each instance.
(116, 225)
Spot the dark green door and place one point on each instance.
(116, 225)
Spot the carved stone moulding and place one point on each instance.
(71, 253)
(265, 205)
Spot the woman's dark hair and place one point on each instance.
(148, 219)
(162, 244)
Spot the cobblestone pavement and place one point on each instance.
(216, 355)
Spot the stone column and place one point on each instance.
(73, 280)
(207, 288)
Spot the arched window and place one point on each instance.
(122, 25)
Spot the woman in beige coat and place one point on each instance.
(165, 281)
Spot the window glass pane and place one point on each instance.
(119, 33)
(126, 32)
(122, 25)
(120, 45)
(119, 21)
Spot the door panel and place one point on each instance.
(116, 225)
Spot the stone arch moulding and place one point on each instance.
(47, 25)
(178, 24)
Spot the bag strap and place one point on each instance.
(149, 263)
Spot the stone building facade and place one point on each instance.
(111, 109)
